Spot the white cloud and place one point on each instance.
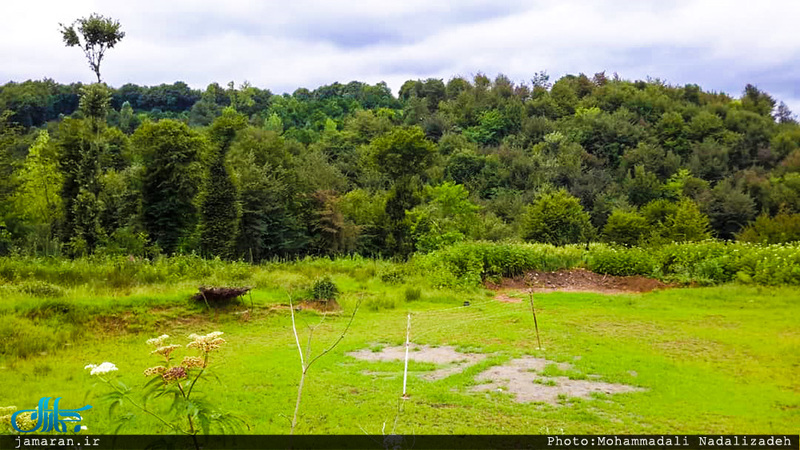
(284, 45)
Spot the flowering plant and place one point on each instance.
(172, 379)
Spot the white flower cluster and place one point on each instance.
(101, 369)
(156, 342)
(206, 343)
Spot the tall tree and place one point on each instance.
(220, 210)
(171, 153)
(82, 149)
(37, 198)
(269, 224)
(79, 155)
(402, 154)
(730, 209)
(94, 35)
(10, 133)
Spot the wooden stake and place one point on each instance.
(405, 371)
(535, 323)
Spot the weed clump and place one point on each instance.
(324, 289)
(393, 276)
(40, 289)
(413, 293)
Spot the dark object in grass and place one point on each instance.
(219, 295)
(466, 303)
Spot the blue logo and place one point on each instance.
(51, 419)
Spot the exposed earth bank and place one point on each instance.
(578, 280)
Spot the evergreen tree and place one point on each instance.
(83, 147)
(220, 209)
(78, 161)
(171, 153)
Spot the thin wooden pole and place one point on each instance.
(535, 323)
(405, 371)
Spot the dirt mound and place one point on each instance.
(524, 379)
(577, 280)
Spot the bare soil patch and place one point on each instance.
(524, 379)
(506, 299)
(453, 360)
(316, 305)
(576, 280)
(322, 306)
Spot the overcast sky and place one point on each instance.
(282, 45)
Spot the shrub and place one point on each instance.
(719, 262)
(556, 219)
(675, 222)
(37, 288)
(324, 289)
(772, 230)
(687, 224)
(625, 227)
(393, 276)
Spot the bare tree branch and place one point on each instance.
(355, 310)
(296, 338)
(305, 366)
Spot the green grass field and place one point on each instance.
(720, 359)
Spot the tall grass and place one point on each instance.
(123, 271)
(464, 264)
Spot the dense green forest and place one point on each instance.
(241, 173)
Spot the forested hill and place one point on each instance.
(238, 172)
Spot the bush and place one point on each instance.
(675, 222)
(40, 289)
(687, 224)
(772, 230)
(712, 262)
(393, 276)
(556, 219)
(708, 262)
(324, 289)
(625, 227)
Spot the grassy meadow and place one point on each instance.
(720, 359)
